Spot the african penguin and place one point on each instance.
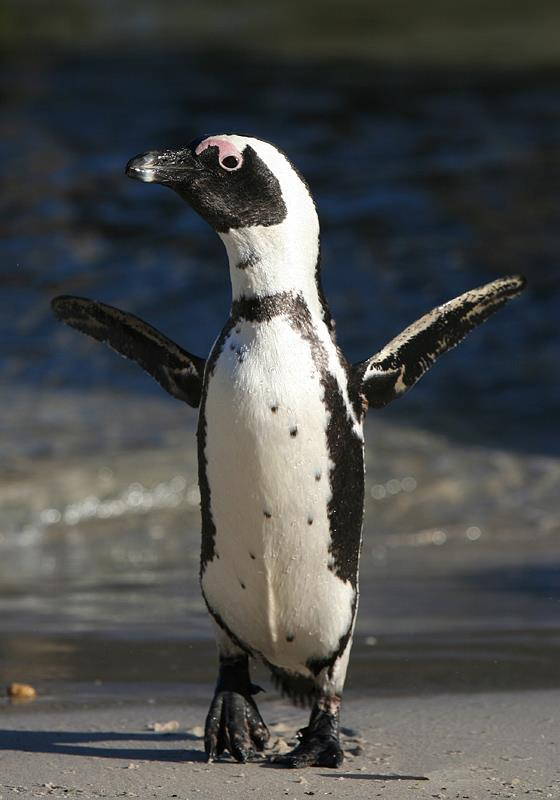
(280, 435)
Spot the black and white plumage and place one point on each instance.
(280, 434)
(178, 372)
(396, 367)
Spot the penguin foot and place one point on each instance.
(319, 744)
(234, 724)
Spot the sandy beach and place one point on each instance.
(466, 746)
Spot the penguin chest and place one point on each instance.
(268, 471)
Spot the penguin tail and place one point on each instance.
(301, 690)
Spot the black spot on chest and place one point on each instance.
(346, 476)
(345, 447)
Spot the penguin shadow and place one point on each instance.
(78, 743)
(371, 776)
(83, 743)
(358, 776)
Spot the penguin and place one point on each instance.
(280, 435)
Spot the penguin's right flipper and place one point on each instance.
(177, 371)
(393, 370)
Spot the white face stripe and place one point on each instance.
(284, 256)
(294, 191)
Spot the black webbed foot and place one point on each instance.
(234, 722)
(319, 744)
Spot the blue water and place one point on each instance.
(426, 184)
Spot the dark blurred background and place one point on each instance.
(430, 136)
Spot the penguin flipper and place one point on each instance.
(393, 370)
(177, 371)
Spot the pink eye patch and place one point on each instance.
(229, 157)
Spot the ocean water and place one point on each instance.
(427, 183)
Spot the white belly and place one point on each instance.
(268, 473)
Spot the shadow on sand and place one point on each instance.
(83, 744)
(75, 743)
(370, 776)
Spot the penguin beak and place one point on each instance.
(163, 166)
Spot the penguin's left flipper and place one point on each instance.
(393, 370)
(177, 371)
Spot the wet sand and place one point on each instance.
(503, 745)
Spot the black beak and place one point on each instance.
(162, 166)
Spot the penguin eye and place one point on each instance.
(229, 157)
(231, 163)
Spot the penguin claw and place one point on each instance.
(234, 724)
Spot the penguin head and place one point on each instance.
(233, 182)
(256, 201)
